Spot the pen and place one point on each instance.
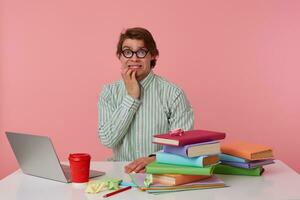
(117, 191)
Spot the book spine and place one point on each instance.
(182, 151)
(238, 164)
(260, 163)
(226, 169)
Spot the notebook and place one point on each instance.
(194, 150)
(247, 150)
(173, 159)
(188, 137)
(162, 168)
(176, 179)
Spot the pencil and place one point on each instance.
(117, 191)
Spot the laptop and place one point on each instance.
(37, 157)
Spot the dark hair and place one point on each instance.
(139, 33)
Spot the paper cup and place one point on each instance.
(80, 167)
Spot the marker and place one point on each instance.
(116, 192)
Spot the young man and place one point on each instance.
(141, 105)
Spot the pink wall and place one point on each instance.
(237, 61)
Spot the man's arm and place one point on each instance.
(182, 115)
(115, 121)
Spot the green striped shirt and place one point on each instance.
(127, 125)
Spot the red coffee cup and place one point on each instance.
(80, 167)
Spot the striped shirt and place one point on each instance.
(127, 125)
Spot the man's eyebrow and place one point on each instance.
(127, 47)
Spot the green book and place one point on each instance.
(161, 168)
(227, 169)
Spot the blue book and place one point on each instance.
(173, 159)
(194, 150)
(230, 158)
(249, 165)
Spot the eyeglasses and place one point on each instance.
(141, 53)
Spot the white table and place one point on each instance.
(278, 182)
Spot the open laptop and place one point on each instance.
(37, 157)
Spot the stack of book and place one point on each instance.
(186, 161)
(244, 158)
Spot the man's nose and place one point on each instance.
(134, 57)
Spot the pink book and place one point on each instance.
(180, 138)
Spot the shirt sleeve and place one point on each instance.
(114, 120)
(182, 115)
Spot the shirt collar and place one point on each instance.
(147, 80)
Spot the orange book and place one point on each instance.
(247, 150)
(176, 179)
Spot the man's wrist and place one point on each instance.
(134, 96)
(131, 103)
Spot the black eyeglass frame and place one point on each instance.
(134, 52)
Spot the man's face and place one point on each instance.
(139, 61)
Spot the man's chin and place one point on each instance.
(140, 77)
(138, 72)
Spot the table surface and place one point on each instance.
(278, 182)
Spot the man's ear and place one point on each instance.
(154, 57)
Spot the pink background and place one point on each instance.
(238, 62)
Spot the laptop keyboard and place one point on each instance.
(67, 171)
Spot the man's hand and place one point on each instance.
(138, 166)
(131, 84)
